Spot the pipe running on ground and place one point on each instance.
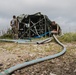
(19, 66)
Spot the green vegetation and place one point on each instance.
(7, 35)
(68, 37)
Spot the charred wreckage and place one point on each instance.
(35, 25)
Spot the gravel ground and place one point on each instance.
(13, 53)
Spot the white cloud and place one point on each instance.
(4, 24)
(63, 11)
(66, 25)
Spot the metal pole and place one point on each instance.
(45, 24)
(29, 29)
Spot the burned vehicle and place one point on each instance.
(35, 25)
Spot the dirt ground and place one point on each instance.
(12, 54)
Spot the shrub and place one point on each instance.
(6, 36)
(68, 37)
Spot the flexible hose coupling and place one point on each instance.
(3, 73)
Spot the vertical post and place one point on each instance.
(29, 29)
(45, 25)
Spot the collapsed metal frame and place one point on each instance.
(33, 25)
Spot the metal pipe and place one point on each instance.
(19, 66)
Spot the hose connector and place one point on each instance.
(4, 73)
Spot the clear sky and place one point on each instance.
(61, 11)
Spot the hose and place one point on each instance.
(43, 34)
(44, 41)
(17, 40)
(19, 66)
(27, 41)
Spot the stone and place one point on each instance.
(1, 64)
(52, 74)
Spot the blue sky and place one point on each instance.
(61, 11)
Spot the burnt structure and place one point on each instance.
(35, 25)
